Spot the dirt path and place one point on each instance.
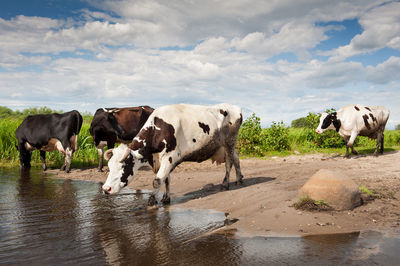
(263, 203)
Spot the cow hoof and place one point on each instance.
(62, 168)
(100, 170)
(166, 200)
(156, 183)
(44, 168)
(224, 186)
(152, 201)
(239, 182)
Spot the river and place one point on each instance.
(50, 221)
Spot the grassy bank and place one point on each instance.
(277, 140)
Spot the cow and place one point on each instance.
(116, 125)
(48, 132)
(174, 134)
(353, 120)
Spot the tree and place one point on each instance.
(299, 122)
(5, 112)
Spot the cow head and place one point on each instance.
(328, 121)
(104, 126)
(123, 164)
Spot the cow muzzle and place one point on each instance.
(107, 190)
(318, 131)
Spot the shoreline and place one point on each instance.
(263, 204)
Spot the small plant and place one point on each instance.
(366, 191)
(308, 204)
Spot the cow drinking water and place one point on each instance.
(48, 132)
(174, 134)
(116, 125)
(353, 120)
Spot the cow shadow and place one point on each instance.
(211, 189)
(369, 152)
(362, 153)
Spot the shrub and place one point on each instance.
(249, 140)
(253, 140)
(299, 122)
(276, 138)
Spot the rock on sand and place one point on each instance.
(339, 191)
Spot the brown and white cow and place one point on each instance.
(353, 120)
(174, 134)
(117, 125)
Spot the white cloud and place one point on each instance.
(292, 37)
(381, 28)
(385, 72)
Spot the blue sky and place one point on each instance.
(278, 59)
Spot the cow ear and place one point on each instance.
(108, 154)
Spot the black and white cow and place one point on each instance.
(49, 132)
(174, 134)
(353, 120)
(117, 125)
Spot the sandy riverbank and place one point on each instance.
(263, 203)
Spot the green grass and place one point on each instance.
(308, 204)
(365, 190)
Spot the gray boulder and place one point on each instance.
(339, 191)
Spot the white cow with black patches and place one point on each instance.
(174, 134)
(353, 120)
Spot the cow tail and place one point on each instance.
(79, 121)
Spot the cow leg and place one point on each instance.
(24, 156)
(379, 141)
(350, 144)
(236, 163)
(163, 172)
(67, 162)
(110, 145)
(166, 198)
(382, 141)
(43, 158)
(228, 167)
(100, 152)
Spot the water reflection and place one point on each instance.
(49, 221)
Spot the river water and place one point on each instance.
(45, 221)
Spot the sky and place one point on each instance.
(279, 59)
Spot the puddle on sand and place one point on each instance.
(53, 221)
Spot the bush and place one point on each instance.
(253, 140)
(276, 138)
(249, 140)
(299, 122)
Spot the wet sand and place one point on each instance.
(263, 203)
